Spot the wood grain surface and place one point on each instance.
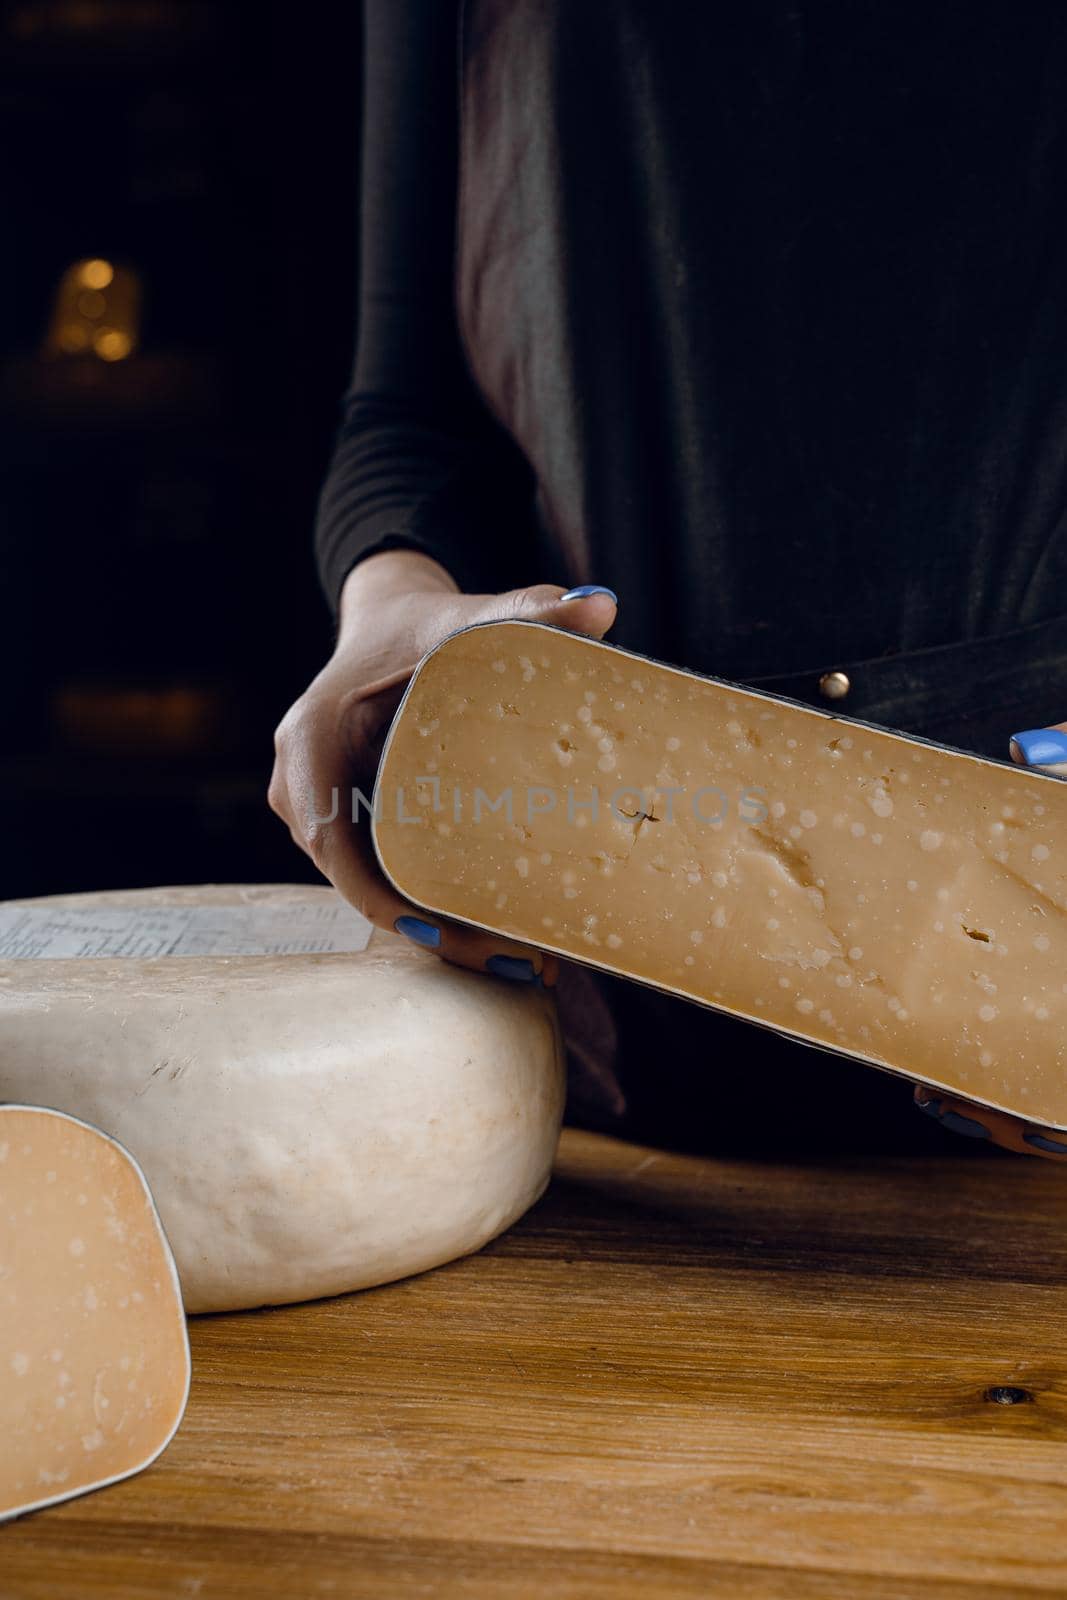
(676, 1377)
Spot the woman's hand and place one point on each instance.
(1045, 749)
(394, 607)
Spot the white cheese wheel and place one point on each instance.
(308, 1124)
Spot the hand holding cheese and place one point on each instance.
(395, 606)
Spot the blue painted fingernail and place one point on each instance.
(1040, 747)
(1041, 1141)
(968, 1126)
(517, 968)
(422, 932)
(965, 1125)
(586, 589)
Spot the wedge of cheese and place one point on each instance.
(94, 1359)
(863, 891)
(318, 1106)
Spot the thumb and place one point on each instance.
(590, 609)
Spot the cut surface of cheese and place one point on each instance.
(860, 890)
(309, 1123)
(94, 1357)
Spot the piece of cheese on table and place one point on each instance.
(860, 890)
(328, 1108)
(94, 1358)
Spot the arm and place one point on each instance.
(418, 462)
(426, 495)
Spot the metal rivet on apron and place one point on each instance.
(834, 685)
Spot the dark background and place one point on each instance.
(160, 603)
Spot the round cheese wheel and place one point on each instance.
(308, 1124)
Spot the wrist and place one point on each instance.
(387, 575)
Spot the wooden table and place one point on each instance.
(676, 1377)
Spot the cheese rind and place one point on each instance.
(94, 1357)
(860, 890)
(309, 1124)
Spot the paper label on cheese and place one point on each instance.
(50, 933)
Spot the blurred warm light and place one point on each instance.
(73, 339)
(111, 344)
(96, 274)
(125, 717)
(82, 19)
(97, 311)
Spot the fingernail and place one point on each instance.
(969, 1127)
(1041, 1141)
(517, 968)
(586, 589)
(965, 1125)
(421, 932)
(1040, 747)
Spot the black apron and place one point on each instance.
(774, 300)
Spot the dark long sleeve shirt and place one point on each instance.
(755, 313)
(758, 314)
(419, 461)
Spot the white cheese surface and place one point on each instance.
(308, 1124)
